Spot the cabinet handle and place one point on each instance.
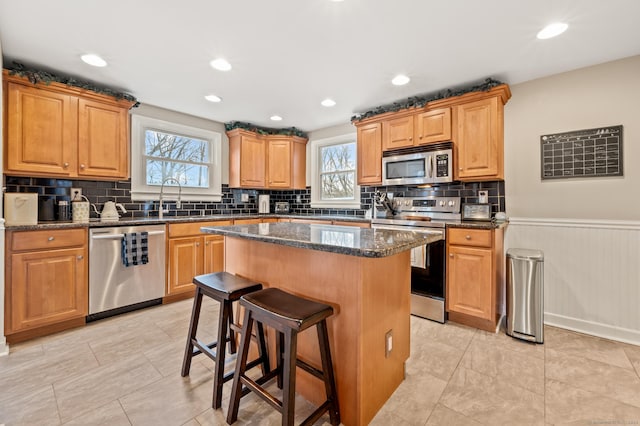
(461, 169)
(207, 243)
(80, 257)
(468, 237)
(450, 254)
(410, 139)
(420, 136)
(82, 166)
(51, 238)
(66, 165)
(197, 244)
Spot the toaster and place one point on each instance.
(282, 207)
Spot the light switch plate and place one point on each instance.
(244, 197)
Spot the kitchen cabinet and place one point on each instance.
(59, 131)
(475, 276)
(369, 147)
(266, 161)
(422, 128)
(191, 253)
(433, 126)
(46, 282)
(474, 122)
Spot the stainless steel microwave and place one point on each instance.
(418, 168)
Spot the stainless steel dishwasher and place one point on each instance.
(115, 288)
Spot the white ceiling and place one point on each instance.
(288, 55)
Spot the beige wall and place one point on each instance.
(601, 95)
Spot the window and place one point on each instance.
(333, 168)
(161, 150)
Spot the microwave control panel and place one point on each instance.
(442, 165)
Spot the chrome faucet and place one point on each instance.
(160, 212)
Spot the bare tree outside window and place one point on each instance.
(337, 171)
(183, 158)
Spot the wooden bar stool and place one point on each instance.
(289, 315)
(224, 288)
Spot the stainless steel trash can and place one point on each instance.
(525, 286)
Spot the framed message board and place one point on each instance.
(582, 153)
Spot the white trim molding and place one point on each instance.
(4, 347)
(591, 273)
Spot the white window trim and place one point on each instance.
(316, 201)
(140, 191)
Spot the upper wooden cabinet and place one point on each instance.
(59, 131)
(479, 140)
(473, 121)
(266, 161)
(370, 154)
(427, 127)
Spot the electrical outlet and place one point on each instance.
(75, 193)
(244, 197)
(483, 196)
(388, 343)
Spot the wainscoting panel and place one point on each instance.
(591, 273)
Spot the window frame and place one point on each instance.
(316, 168)
(140, 191)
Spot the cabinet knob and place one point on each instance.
(51, 238)
(468, 237)
(450, 254)
(410, 139)
(80, 257)
(420, 136)
(198, 244)
(206, 243)
(461, 169)
(66, 165)
(82, 166)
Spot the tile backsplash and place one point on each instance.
(299, 200)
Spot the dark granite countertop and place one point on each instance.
(477, 224)
(353, 241)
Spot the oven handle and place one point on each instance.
(121, 236)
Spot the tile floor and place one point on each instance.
(126, 371)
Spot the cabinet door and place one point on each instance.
(47, 287)
(41, 131)
(213, 253)
(252, 162)
(370, 154)
(397, 133)
(469, 281)
(103, 148)
(479, 149)
(185, 262)
(279, 163)
(433, 126)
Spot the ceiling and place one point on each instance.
(288, 55)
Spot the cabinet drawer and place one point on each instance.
(469, 237)
(193, 228)
(49, 239)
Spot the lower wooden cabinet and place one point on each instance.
(475, 276)
(191, 253)
(46, 282)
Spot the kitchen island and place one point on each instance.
(364, 274)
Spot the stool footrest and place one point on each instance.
(255, 387)
(204, 348)
(310, 369)
(316, 414)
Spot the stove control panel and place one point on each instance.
(427, 204)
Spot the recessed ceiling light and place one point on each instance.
(94, 60)
(220, 64)
(328, 102)
(400, 80)
(552, 30)
(213, 98)
(276, 118)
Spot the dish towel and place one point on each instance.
(135, 250)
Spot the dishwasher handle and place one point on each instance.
(109, 236)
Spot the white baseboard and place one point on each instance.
(4, 348)
(610, 332)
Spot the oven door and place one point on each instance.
(428, 275)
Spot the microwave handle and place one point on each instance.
(430, 166)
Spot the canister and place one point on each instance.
(80, 209)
